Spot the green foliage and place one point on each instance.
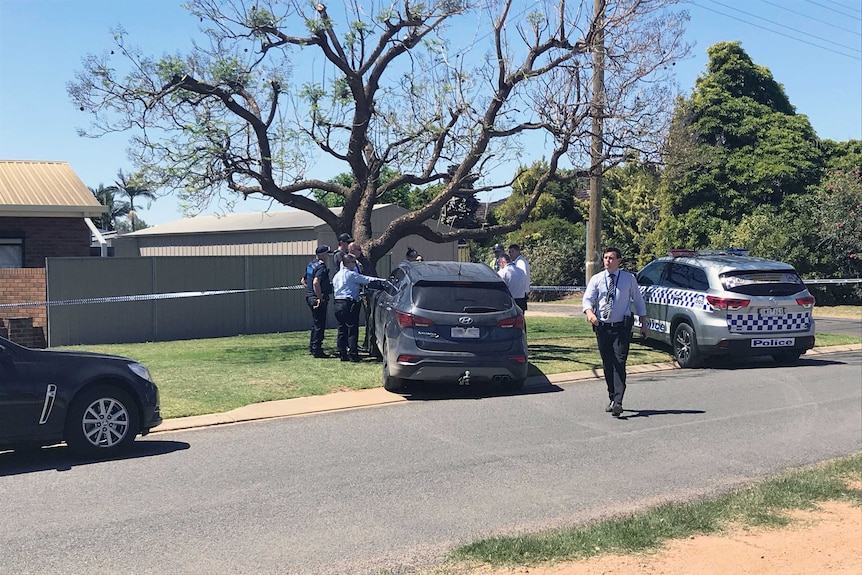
(735, 145)
(630, 208)
(230, 69)
(844, 156)
(555, 249)
(110, 221)
(558, 199)
(839, 222)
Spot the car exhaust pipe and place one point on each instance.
(465, 378)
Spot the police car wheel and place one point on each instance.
(685, 350)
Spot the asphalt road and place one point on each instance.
(398, 486)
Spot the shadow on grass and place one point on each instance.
(61, 458)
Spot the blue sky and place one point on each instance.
(812, 47)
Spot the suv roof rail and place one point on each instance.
(681, 253)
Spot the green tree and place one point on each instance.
(106, 195)
(558, 199)
(134, 187)
(396, 85)
(630, 208)
(735, 144)
(844, 156)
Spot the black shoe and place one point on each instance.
(319, 354)
(345, 358)
(610, 407)
(355, 358)
(617, 410)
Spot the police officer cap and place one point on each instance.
(322, 250)
(498, 247)
(345, 238)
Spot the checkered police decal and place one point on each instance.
(752, 323)
(677, 297)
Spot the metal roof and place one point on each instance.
(44, 189)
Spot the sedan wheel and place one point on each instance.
(102, 421)
(685, 346)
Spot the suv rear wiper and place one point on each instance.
(480, 309)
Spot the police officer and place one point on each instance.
(318, 288)
(341, 251)
(495, 261)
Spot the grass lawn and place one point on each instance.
(202, 376)
(762, 505)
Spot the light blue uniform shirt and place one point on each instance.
(347, 283)
(626, 292)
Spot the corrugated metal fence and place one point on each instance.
(130, 300)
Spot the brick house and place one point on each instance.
(44, 212)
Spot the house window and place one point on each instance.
(11, 253)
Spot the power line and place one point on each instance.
(811, 17)
(777, 32)
(854, 8)
(833, 9)
(798, 31)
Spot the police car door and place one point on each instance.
(649, 282)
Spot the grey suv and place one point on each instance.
(726, 302)
(447, 322)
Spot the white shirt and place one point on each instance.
(522, 264)
(515, 279)
(626, 291)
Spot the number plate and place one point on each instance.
(774, 342)
(771, 312)
(471, 332)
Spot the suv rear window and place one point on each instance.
(461, 297)
(779, 283)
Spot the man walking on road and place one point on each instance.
(607, 305)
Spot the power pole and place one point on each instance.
(594, 226)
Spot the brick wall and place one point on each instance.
(48, 237)
(23, 285)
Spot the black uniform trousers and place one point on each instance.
(613, 342)
(347, 314)
(318, 326)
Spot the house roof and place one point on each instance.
(44, 189)
(256, 221)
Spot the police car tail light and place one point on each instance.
(807, 301)
(515, 322)
(728, 303)
(410, 320)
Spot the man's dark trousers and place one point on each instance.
(613, 343)
(318, 327)
(347, 314)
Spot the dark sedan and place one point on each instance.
(448, 322)
(96, 403)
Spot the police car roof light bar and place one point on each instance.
(681, 253)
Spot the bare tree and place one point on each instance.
(441, 92)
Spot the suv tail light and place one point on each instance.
(516, 322)
(807, 301)
(728, 303)
(410, 320)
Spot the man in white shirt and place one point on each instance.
(515, 279)
(516, 259)
(607, 305)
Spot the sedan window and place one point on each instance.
(461, 297)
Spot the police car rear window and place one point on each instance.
(762, 283)
(472, 297)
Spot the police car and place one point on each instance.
(705, 303)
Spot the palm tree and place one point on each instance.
(116, 209)
(133, 186)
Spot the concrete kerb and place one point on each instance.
(378, 396)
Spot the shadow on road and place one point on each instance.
(61, 458)
(440, 391)
(633, 413)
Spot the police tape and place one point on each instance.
(188, 294)
(144, 297)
